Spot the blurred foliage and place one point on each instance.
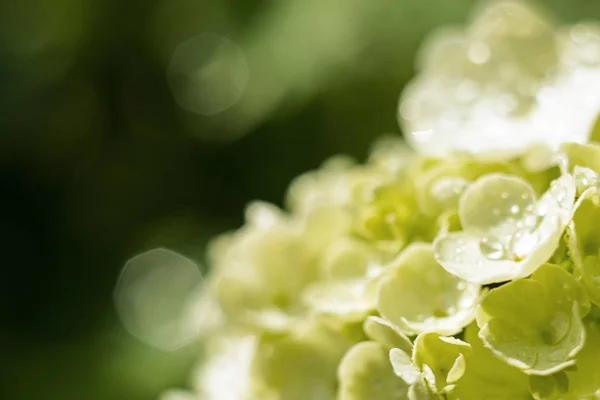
(98, 162)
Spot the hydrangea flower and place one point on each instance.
(418, 295)
(322, 300)
(507, 233)
(546, 333)
(509, 80)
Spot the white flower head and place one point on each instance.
(507, 233)
(504, 83)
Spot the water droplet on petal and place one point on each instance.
(542, 208)
(585, 178)
(492, 248)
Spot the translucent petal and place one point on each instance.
(417, 294)
(535, 356)
(348, 298)
(381, 331)
(403, 366)
(582, 229)
(365, 373)
(582, 155)
(585, 178)
(585, 380)
(299, 365)
(526, 295)
(559, 199)
(590, 278)
(493, 199)
(486, 377)
(444, 357)
(438, 188)
(347, 258)
(534, 324)
(420, 391)
(457, 370)
(557, 280)
(512, 247)
(548, 387)
(460, 254)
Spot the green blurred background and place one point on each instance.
(99, 162)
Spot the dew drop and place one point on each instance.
(585, 178)
(492, 248)
(559, 194)
(514, 209)
(542, 208)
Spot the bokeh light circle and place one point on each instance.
(155, 297)
(207, 74)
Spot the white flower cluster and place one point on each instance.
(510, 80)
(468, 270)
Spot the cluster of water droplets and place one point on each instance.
(585, 178)
(507, 81)
(515, 238)
(519, 234)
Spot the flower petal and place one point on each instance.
(418, 295)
